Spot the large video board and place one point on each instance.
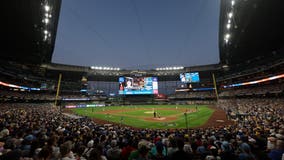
(138, 85)
(192, 77)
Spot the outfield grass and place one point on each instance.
(134, 115)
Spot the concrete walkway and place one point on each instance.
(72, 116)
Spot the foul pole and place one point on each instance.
(58, 88)
(215, 86)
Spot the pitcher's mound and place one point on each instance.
(149, 112)
(160, 119)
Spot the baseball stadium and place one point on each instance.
(230, 110)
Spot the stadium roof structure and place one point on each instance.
(248, 29)
(28, 30)
(111, 75)
(251, 30)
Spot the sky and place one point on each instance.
(138, 34)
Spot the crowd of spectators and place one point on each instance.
(266, 107)
(256, 90)
(26, 95)
(194, 94)
(40, 95)
(40, 131)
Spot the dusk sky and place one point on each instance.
(138, 34)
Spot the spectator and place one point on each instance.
(181, 154)
(246, 152)
(277, 153)
(114, 152)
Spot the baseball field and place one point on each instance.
(142, 116)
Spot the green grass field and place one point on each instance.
(141, 116)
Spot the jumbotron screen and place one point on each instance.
(192, 77)
(138, 85)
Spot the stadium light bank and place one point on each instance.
(46, 20)
(230, 17)
(169, 68)
(104, 68)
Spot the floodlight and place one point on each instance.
(233, 2)
(45, 38)
(47, 8)
(225, 66)
(228, 26)
(227, 36)
(230, 14)
(46, 20)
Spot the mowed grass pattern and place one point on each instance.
(134, 115)
(141, 113)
